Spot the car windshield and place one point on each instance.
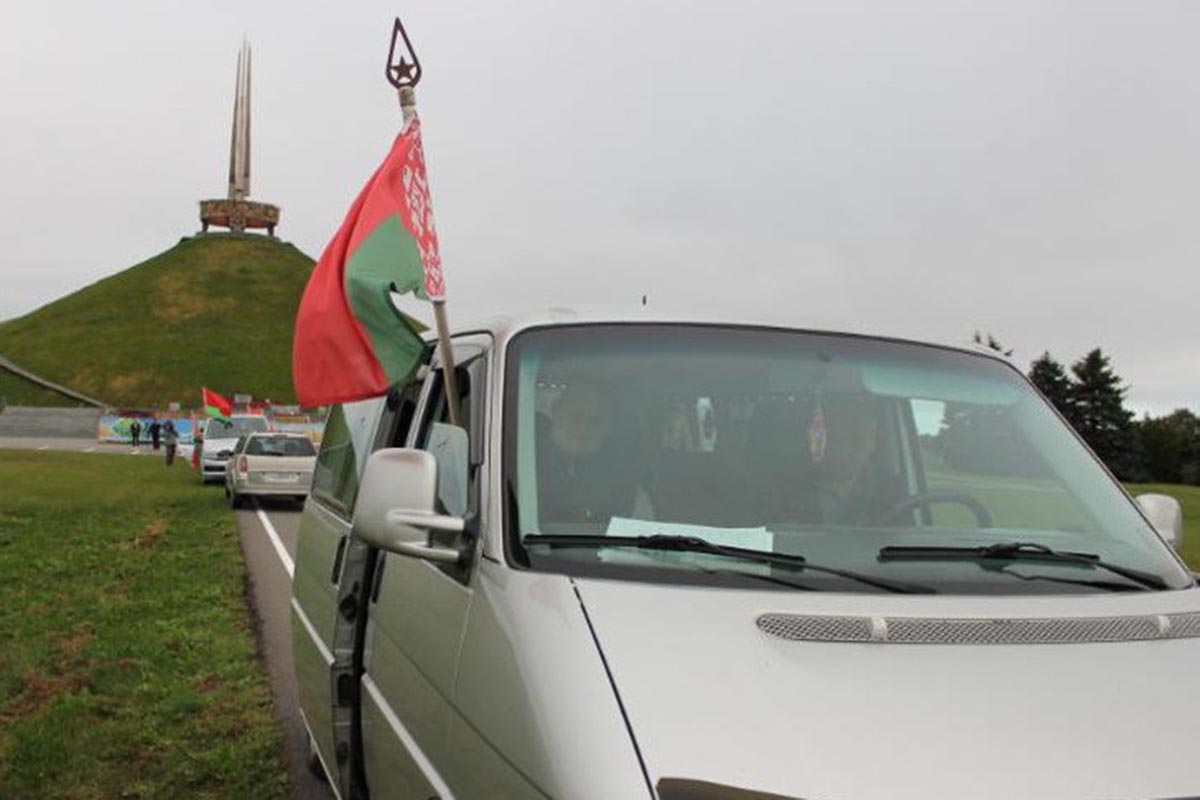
(826, 446)
(233, 428)
(279, 446)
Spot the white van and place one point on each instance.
(221, 437)
(685, 559)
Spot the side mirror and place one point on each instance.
(1165, 515)
(395, 506)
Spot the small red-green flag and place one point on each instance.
(350, 340)
(215, 405)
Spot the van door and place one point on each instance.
(418, 608)
(320, 553)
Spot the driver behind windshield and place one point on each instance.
(853, 484)
(584, 474)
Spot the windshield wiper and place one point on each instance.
(695, 544)
(1022, 551)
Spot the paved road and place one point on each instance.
(183, 452)
(269, 564)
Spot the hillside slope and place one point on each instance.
(20, 392)
(213, 310)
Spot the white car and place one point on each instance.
(272, 465)
(220, 438)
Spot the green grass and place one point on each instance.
(212, 310)
(127, 657)
(20, 392)
(1026, 503)
(1189, 498)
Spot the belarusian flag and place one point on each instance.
(215, 405)
(351, 342)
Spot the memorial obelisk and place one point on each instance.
(235, 212)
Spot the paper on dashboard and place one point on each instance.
(746, 538)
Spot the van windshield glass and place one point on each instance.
(235, 427)
(830, 447)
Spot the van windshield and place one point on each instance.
(234, 427)
(825, 446)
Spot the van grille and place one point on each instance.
(923, 630)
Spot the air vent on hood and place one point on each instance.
(925, 630)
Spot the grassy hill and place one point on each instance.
(213, 310)
(20, 392)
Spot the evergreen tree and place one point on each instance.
(1098, 403)
(981, 438)
(992, 343)
(1052, 380)
(1171, 446)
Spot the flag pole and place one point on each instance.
(408, 108)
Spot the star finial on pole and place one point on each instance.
(403, 66)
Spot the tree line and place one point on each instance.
(1091, 396)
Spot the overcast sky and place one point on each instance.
(924, 170)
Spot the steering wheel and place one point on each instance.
(928, 498)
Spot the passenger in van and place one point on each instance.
(852, 486)
(583, 473)
(675, 430)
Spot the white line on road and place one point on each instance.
(44, 447)
(280, 550)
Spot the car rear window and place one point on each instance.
(280, 446)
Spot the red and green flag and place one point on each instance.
(215, 405)
(351, 342)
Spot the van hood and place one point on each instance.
(713, 697)
(216, 445)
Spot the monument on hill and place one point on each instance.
(236, 212)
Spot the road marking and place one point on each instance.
(280, 550)
(89, 449)
(44, 447)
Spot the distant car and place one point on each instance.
(270, 464)
(220, 438)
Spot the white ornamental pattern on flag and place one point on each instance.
(418, 212)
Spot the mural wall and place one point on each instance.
(114, 427)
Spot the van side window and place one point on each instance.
(334, 477)
(450, 445)
(402, 408)
(344, 449)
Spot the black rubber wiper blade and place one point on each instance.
(1022, 551)
(695, 544)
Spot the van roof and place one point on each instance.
(505, 326)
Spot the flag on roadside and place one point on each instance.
(351, 342)
(215, 405)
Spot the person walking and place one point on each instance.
(135, 430)
(171, 439)
(155, 431)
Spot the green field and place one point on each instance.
(1025, 503)
(1189, 498)
(127, 656)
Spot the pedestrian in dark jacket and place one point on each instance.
(155, 430)
(135, 430)
(171, 439)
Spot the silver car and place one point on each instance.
(684, 559)
(270, 465)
